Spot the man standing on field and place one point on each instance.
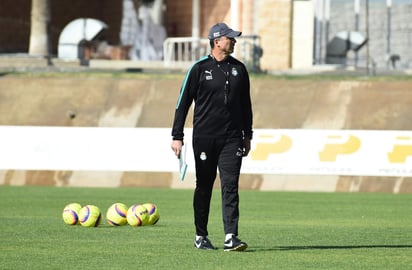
(222, 129)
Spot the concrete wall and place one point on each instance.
(149, 101)
(274, 27)
(302, 34)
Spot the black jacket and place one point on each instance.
(221, 92)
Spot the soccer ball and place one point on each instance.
(90, 216)
(116, 214)
(71, 213)
(153, 213)
(137, 215)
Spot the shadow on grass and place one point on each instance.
(288, 248)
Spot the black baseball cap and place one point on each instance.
(221, 29)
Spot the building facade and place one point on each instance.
(292, 33)
(269, 19)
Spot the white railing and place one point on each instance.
(184, 51)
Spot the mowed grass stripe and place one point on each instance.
(284, 230)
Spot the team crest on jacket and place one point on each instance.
(234, 72)
(203, 156)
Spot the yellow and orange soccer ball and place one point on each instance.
(116, 214)
(90, 216)
(137, 215)
(153, 212)
(71, 213)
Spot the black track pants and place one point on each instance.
(210, 154)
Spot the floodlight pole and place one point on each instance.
(321, 19)
(388, 37)
(367, 36)
(195, 28)
(326, 16)
(356, 8)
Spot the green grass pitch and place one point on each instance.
(284, 230)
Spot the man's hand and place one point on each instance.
(246, 147)
(177, 147)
